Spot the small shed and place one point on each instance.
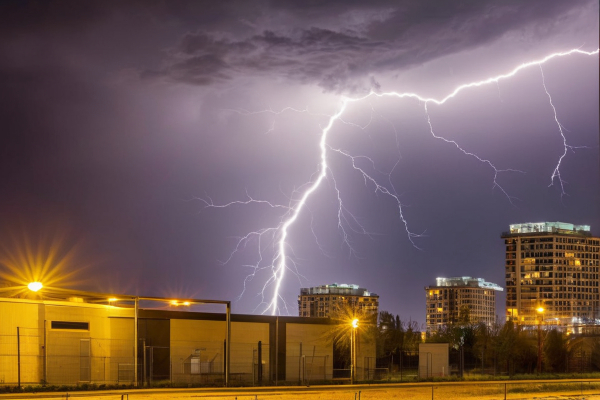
(433, 359)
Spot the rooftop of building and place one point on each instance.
(548, 227)
(338, 288)
(467, 281)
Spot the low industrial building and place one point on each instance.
(88, 339)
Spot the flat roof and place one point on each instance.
(467, 281)
(534, 227)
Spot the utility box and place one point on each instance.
(433, 359)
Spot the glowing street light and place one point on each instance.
(352, 349)
(35, 286)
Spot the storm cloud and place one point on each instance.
(393, 36)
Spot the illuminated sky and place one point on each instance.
(118, 117)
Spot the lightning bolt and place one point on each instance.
(281, 261)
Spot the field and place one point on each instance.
(564, 390)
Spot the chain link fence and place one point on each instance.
(63, 358)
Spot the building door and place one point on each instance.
(85, 361)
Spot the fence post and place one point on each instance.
(276, 350)
(400, 361)
(144, 361)
(18, 357)
(260, 371)
(300, 365)
(45, 354)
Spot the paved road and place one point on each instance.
(556, 389)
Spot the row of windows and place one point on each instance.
(578, 241)
(341, 298)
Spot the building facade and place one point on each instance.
(79, 340)
(323, 301)
(462, 299)
(552, 274)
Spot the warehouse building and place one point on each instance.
(91, 338)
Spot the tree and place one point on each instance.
(555, 351)
(464, 316)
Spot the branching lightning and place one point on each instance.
(281, 261)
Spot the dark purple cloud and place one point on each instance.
(339, 58)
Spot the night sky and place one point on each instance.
(122, 121)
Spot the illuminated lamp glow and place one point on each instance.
(35, 286)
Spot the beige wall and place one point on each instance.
(365, 354)
(65, 364)
(317, 349)
(54, 355)
(433, 359)
(209, 336)
(121, 349)
(25, 315)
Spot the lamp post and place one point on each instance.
(352, 349)
(540, 311)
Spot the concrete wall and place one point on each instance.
(203, 341)
(63, 356)
(79, 356)
(24, 315)
(365, 355)
(309, 353)
(433, 359)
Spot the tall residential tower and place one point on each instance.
(552, 274)
(457, 300)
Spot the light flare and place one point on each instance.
(32, 263)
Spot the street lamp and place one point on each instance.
(352, 349)
(540, 311)
(35, 286)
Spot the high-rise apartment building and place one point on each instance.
(322, 301)
(552, 274)
(462, 299)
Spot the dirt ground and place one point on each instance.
(483, 390)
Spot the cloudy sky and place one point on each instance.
(161, 147)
